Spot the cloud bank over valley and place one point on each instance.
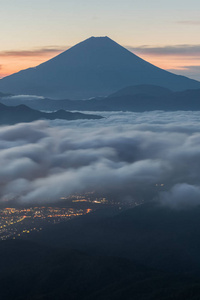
(126, 154)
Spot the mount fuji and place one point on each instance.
(95, 67)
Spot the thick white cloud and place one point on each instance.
(181, 196)
(125, 154)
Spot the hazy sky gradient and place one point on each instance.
(33, 25)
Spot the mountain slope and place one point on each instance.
(94, 67)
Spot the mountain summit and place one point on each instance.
(95, 67)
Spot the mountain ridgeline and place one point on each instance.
(133, 98)
(25, 114)
(95, 67)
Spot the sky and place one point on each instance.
(165, 33)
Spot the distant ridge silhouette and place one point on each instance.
(95, 67)
(138, 98)
(22, 113)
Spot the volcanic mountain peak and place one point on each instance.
(96, 42)
(95, 67)
(93, 52)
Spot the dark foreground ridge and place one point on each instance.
(22, 113)
(31, 271)
(146, 253)
(155, 236)
(95, 67)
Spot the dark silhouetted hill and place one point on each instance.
(23, 113)
(150, 90)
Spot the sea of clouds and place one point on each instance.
(126, 154)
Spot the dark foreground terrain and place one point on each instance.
(31, 271)
(148, 252)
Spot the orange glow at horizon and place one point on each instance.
(171, 62)
(12, 64)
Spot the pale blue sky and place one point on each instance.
(27, 23)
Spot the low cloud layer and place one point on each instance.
(190, 71)
(23, 97)
(127, 154)
(33, 52)
(186, 50)
(189, 22)
(181, 195)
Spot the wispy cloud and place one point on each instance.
(13, 61)
(33, 52)
(192, 68)
(189, 22)
(171, 50)
(190, 71)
